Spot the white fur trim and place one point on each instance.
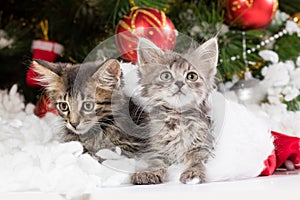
(47, 46)
(243, 142)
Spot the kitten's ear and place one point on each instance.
(147, 51)
(205, 57)
(48, 73)
(109, 74)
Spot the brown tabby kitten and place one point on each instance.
(82, 94)
(177, 87)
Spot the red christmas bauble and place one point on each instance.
(43, 106)
(250, 14)
(144, 22)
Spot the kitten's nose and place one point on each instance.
(74, 124)
(179, 84)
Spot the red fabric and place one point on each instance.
(43, 55)
(286, 148)
(270, 164)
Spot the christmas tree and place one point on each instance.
(81, 25)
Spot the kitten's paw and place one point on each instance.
(192, 176)
(147, 178)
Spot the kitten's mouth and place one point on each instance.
(78, 131)
(179, 92)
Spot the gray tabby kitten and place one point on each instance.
(82, 94)
(177, 87)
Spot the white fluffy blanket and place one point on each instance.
(32, 158)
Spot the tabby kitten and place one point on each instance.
(177, 87)
(82, 94)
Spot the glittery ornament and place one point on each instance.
(150, 23)
(249, 14)
(296, 18)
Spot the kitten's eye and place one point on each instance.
(166, 76)
(63, 106)
(192, 76)
(88, 106)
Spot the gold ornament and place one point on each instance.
(44, 26)
(296, 18)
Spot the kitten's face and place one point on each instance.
(176, 82)
(81, 93)
(81, 110)
(175, 79)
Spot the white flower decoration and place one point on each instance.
(290, 93)
(276, 75)
(269, 55)
(295, 80)
(292, 27)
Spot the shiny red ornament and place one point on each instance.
(44, 105)
(144, 22)
(250, 14)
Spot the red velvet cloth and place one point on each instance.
(270, 164)
(286, 148)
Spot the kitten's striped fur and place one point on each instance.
(177, 87)
(82, 94)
